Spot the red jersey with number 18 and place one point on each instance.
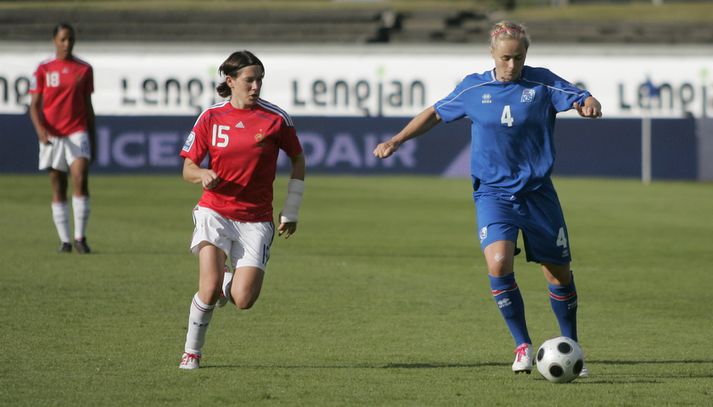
(243, 145)
(65, 86)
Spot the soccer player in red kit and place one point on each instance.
(233, 218)
(63, 117)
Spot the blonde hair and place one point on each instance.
(505, 30)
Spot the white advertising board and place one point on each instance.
(359, 81)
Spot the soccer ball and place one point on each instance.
(560, 360)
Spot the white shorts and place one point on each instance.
(247, 244)
(62, 151)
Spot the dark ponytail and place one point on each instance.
(230, 67)
(62, 26)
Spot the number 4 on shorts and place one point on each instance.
(561, 239)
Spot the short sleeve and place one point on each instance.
(37, 82)
(565, 94)
(289, 142)
(196, 145)
(451, 107)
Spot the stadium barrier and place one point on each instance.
(343, 145)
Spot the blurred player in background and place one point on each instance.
(233, 219)
(512, 108)
(63, 116)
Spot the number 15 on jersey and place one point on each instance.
(220, 137)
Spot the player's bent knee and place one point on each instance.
(245, 303)
(499, 269)
(245, 299)
(558, 274)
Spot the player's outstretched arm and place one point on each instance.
(420, 124)
(591, 108)
(197, 175)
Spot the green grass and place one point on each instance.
(381, 298)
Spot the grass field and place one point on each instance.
(380, 299)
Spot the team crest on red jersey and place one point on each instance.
(259, 137)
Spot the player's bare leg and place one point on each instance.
(210, 262)
(60, 209)
(79, 170)
(246, 286)
(559, 274)
(500, 257)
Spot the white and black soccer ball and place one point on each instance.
(560, 360)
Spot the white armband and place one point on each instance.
(295, 190)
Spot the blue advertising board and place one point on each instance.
(344, 145)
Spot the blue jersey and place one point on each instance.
(512, 147)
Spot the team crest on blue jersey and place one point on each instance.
(528, 95)
(189, 142)
(487, 98)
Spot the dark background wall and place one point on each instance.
(341, 145)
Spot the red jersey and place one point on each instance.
(243, 145)
(65, 86)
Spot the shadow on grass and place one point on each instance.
(608, 378)
(437, 365)
(651, 362)
(415, 365)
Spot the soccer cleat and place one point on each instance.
(80, 245)
(584, 373)
(225, 290)
(190, 361)
(523, 359)
(65, 247)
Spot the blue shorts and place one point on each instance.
(537, 214)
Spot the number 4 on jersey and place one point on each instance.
(506, 117)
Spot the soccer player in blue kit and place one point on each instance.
(512, 108)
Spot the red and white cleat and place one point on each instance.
(523, 359)
(190, 361)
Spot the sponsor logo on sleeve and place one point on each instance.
(189, 142)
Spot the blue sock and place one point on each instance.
(507, 295)
(563, 299)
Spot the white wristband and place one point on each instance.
(295, 190)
